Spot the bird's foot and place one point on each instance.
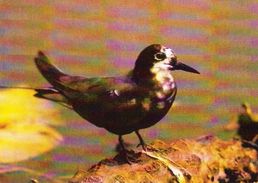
(142, 143)
(144, 146)
(129, 157)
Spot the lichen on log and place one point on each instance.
(206, 159)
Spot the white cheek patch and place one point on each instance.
(161, 66)
(168, 52)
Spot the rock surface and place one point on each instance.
(207, 159)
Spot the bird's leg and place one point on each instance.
(142, 143)
(124, 150)
(121, 143)
(125, 153)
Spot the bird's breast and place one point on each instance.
(164, 84)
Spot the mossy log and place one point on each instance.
(206, 159)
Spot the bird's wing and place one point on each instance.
(117, 91)
(108, 88)
(74, 86)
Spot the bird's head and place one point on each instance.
(155, 58)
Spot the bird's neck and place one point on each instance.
(141, 77)
(164, 81)
(157, 80)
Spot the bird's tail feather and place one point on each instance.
(49, 71)
(50, 94)
(44, 93)
(53, 95)
(18, 87)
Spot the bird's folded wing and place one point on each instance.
(106, 88)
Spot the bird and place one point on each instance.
(122, 104)
(248, 124)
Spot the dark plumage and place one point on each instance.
(121, 105)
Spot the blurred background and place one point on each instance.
(103, 38)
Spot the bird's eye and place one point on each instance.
(159, 56)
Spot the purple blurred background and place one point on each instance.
(103, 38)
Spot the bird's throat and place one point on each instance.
(164, 82)
(158, 79)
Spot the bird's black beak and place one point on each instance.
(181, 66)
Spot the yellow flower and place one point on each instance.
(25, 130)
